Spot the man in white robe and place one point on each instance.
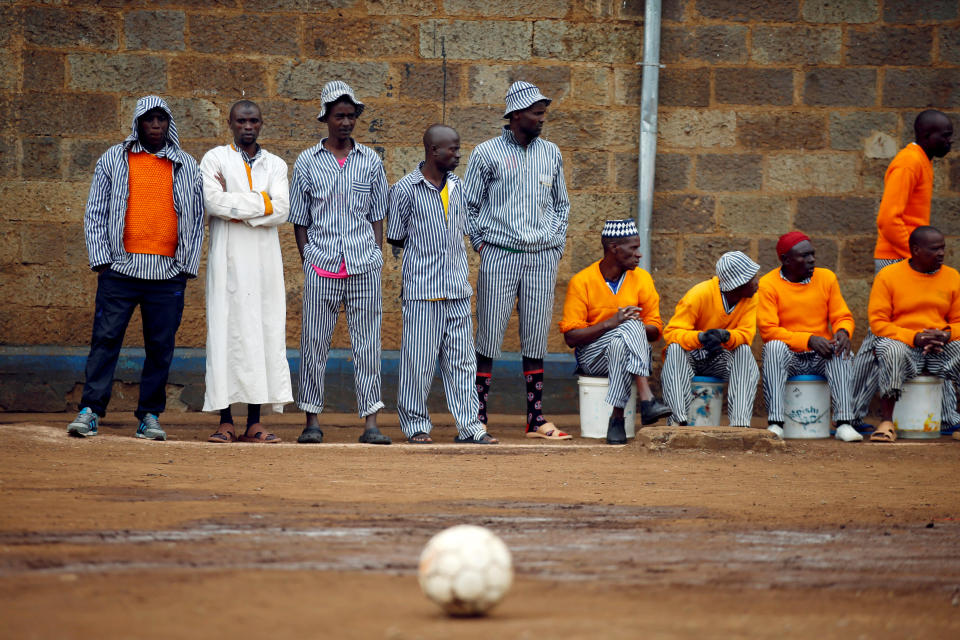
(246, 197)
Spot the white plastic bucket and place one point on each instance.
(806, 408)
(595, 412)
(706, 405)
(917, 413)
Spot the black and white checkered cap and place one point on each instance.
(521, 95)
(619, 229)
(735, 268)
(331, 92)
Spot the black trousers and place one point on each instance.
(161, 309)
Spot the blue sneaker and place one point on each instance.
(84, 425)
(149, 428)
(948, 429)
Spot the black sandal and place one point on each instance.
(373, 436)
(481, 438)
(420, 437)
(311, 435)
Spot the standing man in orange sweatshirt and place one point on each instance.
(806, 326)
(907, 192)
(610, 316)
(144, 230)
(915, 315)
(710, 334)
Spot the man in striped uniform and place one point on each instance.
(518, 208)
(144, 231)
(710, 335)
(806, 326)
(246, 195)
(428, 219)
(915, 314)
(610, 316)
(907, 193)
(338, 199)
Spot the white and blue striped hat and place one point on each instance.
(334, 90)
(619, 229)
(522, 95)
(735, 268)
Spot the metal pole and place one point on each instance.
(648, 125)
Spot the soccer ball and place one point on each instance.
(466, 570)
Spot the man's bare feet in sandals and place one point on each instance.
(225, 433)
(256, 433)
(481, 438)
(548, 431)
(420, 437)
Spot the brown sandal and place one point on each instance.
(224, 434)
(548, 431)
(259, 436)
(885, 432)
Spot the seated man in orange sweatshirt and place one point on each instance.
(915, 313)
(710, 334)
(806, 327)
(610, 316)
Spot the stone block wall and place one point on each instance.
(774, 114)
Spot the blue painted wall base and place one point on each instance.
(40, 379)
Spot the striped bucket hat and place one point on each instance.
(522, 95)
(331, 92)
(735, 268)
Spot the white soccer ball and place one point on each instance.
(466, 570)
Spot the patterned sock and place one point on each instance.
(226, 416)
(534, 398)
(483, 392)
(253, 414)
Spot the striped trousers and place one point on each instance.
(621, 354)
(737, 367)
(897, 362)
(865, 374)
(526, 280)
(437, 331)
(779, 363)
(360, 297)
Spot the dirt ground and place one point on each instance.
(113, 537)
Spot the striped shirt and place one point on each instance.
(434, 257)
(338, 205)
(516, 195)
(106, 210)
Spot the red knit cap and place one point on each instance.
(789, 240)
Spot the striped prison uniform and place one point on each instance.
(903, 302)
(430, 223)
(623, 352)
(865, 375)
(704, 307)
(518, 210)
(338, 205)
(152, 281)
(898, 362)
(788, 315)
(779, 363)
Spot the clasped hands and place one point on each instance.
(712, 340)
(931, 340)
(826, 349)
(623, 314)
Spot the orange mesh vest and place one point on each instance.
(151, 222)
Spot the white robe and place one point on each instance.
(246, 299)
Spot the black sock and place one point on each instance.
(483, 392)
(253, 414)
(534, 381)
(226, 416)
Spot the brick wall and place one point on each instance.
(774, 114)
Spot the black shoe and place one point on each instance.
(616, 433)
(311, 435)
(373, 436)
(651, 411)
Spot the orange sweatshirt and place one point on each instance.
(150, 225)
(590, 300)
(792, 312)
(904, 302)
(907, 190)
(701, 308)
